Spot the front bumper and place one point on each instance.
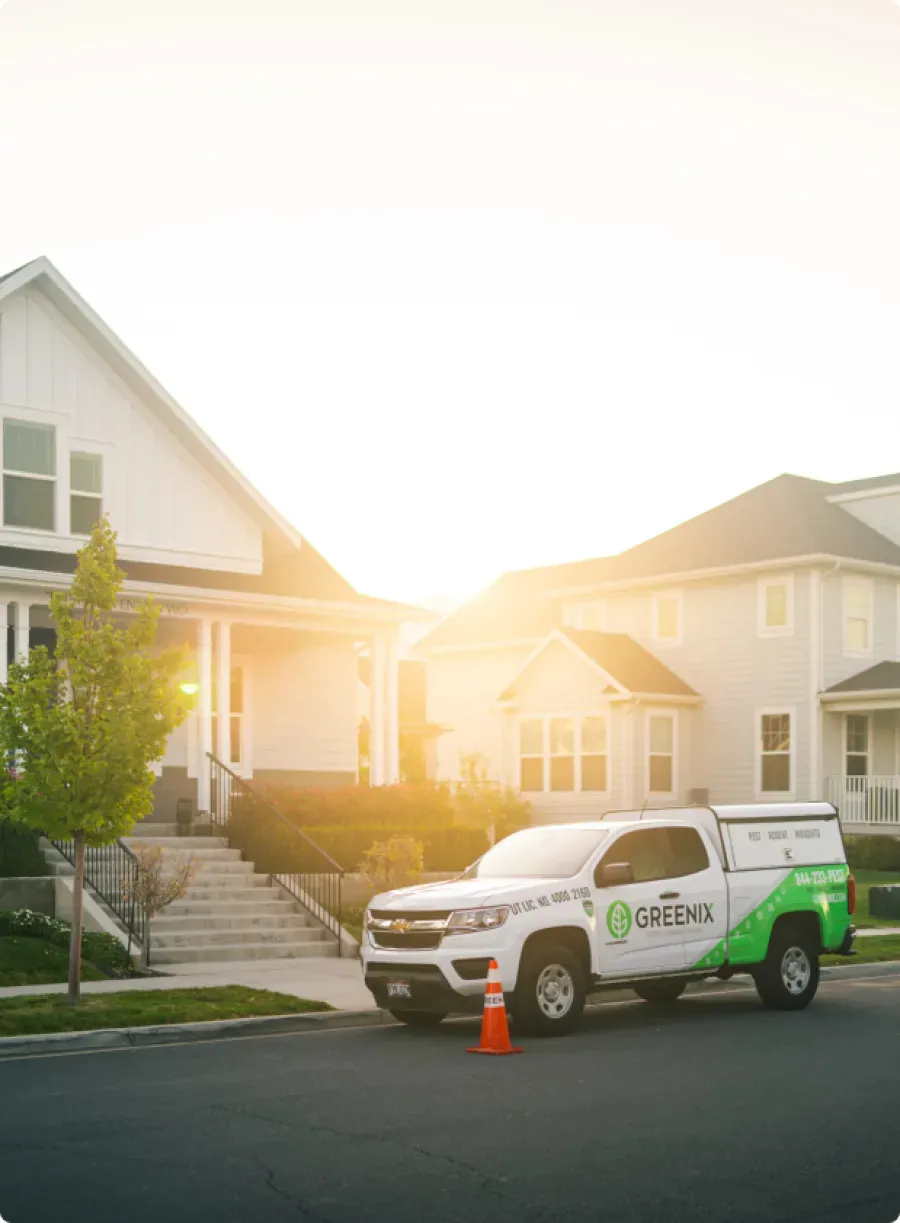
(450, 978)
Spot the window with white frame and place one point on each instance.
(236, 716)
(857, 753)
(86, 491)
(667, 617)
(857, 616)
(660, 753)
(775, 753)
(29, 475)
(564, 754)
(776, 606)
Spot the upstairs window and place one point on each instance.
(776, 606)
(857, 616)
(29, 475)
(86, 489)
(667, 618)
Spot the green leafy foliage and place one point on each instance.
(396, 863)
(85, 726)
(20, 855)
(102, 950)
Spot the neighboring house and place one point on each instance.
(418, 736)
(751, 653)
(276, 631)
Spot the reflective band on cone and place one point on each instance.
(494, 1028)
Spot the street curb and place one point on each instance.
(188, 1033)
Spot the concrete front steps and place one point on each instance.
(229, 912)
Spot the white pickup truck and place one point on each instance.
(646, 899)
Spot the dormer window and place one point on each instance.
(29, 475)
(86, 489)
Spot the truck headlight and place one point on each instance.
(473, 921)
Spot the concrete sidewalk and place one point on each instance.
(337, 982)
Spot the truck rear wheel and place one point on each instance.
(788, 978)
(420, 1019)
(661, 993)
(550, 992)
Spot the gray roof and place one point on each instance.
(884, 675)
(635, 668)
(789, 516)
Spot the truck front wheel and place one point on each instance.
(550, 992)
(788, 978)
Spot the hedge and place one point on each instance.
(409, 807)
(20, 855)
(876, 853)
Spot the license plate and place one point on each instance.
(398, 989)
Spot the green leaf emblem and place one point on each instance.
(618, 919)
(588, 907)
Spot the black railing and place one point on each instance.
(278, 848)
(111, 873)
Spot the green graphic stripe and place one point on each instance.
(817, 889)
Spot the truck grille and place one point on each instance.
(420, 931)
(411, 941)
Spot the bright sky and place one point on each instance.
(471, 285)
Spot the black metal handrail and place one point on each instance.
(277, 847)
(111, 872)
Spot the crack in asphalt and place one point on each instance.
(288, 1197)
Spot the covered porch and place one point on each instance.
(861, 749)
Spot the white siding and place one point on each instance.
(837, 665)
(163, 503)
(304, 709)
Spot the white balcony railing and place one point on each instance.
(866, 800)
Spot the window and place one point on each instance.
(585, 616)
(593, 754)
(667, 616)
(857, 617)
(563, 754)
(29, 475)
(776, 606)
(775, 753)
(236, 719)
(644, 850)
(531, 755)
(538, 853)
(857, 754)
(661, 753)
(86, 487)
(688, 854)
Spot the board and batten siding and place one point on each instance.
(166, 507)
(304, 711)
(463, 689)
(737, 672)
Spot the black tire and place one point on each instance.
(550, 991)
(661, 993)
(420, 1019)
(788, 978)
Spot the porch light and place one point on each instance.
(189, 687)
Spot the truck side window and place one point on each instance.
(645, 849)
(687, 853)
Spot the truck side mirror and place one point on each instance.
(614, 874)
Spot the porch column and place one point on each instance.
(376, 712)
(4, 659)
(392, 712)
(204, 711)
(222, 747)
(23, 623)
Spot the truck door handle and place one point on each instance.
(669, 895)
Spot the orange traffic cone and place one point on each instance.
(494, 1028)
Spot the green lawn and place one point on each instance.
(864, 880)
(870, 951)
(32, 961)
(142, 1008)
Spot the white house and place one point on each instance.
(86, 429)
(751, 653)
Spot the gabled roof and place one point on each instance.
(884, 676)
(291, 566)
(787, 517)
(633, 670)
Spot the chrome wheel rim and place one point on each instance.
(796, 970)
(555, 991)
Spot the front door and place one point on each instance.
(632, 939)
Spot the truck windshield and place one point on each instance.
(537, 853)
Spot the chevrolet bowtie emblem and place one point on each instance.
(401, 926)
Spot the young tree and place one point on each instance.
(161, 879)
(83, 727)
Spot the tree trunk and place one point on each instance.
(145, 945)
(77, 909)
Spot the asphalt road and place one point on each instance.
(721, 1112)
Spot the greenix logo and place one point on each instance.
(618, 919)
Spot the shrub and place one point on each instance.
(101, 950)
(396, 863)
(20, 855)
(411, 807)
(875, 853)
